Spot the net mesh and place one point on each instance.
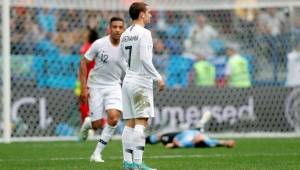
(46, 42)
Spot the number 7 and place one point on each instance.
(130, 50)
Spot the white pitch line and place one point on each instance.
(163, 157)
(66, 159)
(221, 155)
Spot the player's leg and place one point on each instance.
(139, 144)
(113, 116)
(85, 127)
(96, 156)
(139, 139)
(113, 107)
(173, 144)
(210, 142)
(127, 144)
(96, 108)
(127, 135)
(206, 116)
(85, 121)
(226, 143)
(84, 111)
(143, 109)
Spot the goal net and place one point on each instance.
(192, 44)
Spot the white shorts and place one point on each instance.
(137, 101)
(102, 99)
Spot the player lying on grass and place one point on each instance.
(188, 139)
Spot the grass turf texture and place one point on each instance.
(249, 154)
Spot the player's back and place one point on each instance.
(131, 41)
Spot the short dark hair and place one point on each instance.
(93, 34)
(136, 8)
(116, 19)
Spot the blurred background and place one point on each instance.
(239, 59)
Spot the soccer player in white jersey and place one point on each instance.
(137, 91)
(102, 89)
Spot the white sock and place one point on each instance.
(106, 135)
(139, 143)
(127, 142)
(205, 117)
(87, 123)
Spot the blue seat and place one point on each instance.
(52, 69)
(178, 70)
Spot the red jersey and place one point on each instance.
(82, 51)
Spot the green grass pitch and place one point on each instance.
(249, 154)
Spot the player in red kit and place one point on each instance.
(90, 35)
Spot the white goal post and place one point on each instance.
(6, 88)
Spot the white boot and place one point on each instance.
(96, 158)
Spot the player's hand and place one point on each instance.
(84, 95)
(161, 84)
(170, 145)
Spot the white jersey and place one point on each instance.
(109, 65)
(136, 46)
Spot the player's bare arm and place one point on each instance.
(161, 84)
(83, 80)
